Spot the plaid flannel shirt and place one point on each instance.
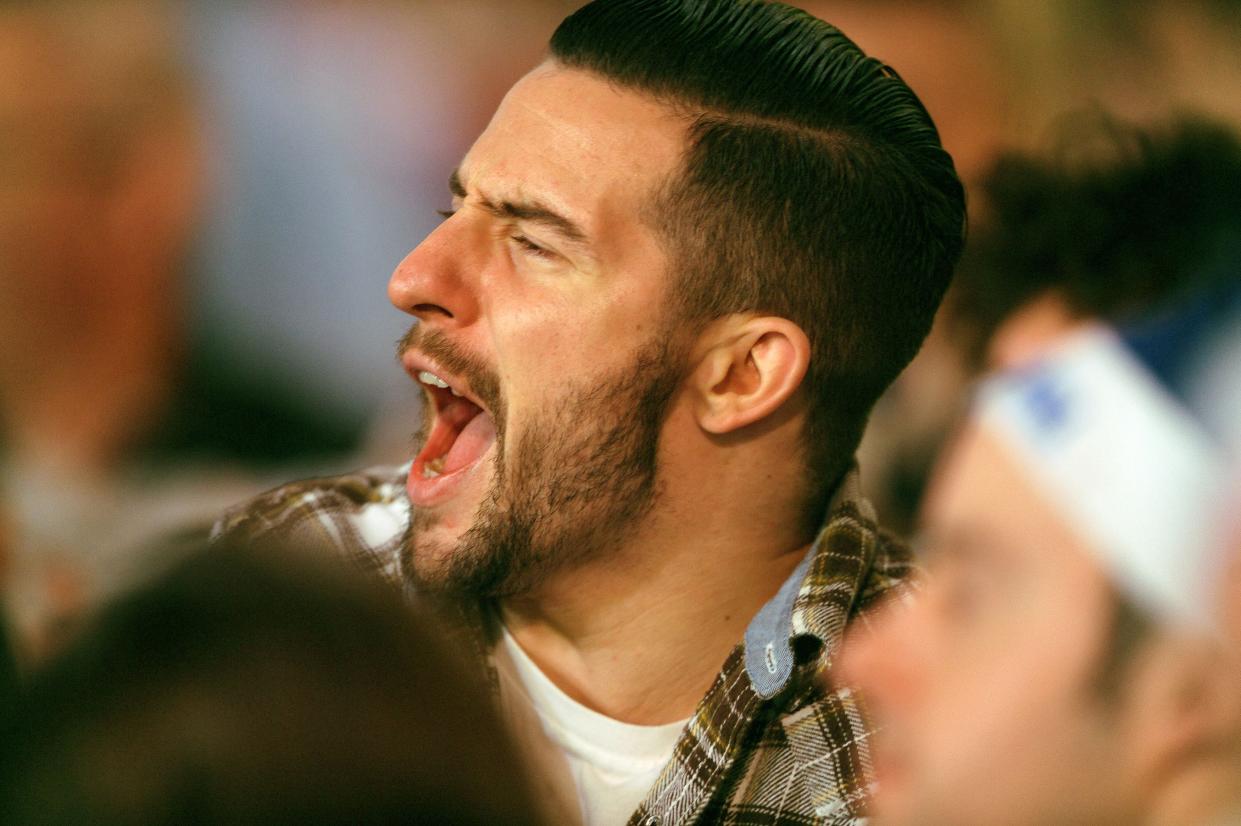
(771, 742)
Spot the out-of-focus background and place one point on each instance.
(200, 205)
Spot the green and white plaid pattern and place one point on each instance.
(791, 749)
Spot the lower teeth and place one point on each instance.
(433, 468)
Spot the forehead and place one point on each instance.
(981, 497)
(576, 142)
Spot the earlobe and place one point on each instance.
(751, 369)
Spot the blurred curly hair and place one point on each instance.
(1120, 220)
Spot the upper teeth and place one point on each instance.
(435, 381)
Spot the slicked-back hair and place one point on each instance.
(813, 187)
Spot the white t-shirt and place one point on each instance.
(609, 765)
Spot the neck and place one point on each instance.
(641, 635)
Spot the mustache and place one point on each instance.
(483, 381)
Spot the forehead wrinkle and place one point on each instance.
(581, 135)
(530, 209)
(540, 149)
(499, 187)
(958, 543)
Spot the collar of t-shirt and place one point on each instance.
(613, 764)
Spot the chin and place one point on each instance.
(434, 538)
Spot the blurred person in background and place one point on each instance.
(115, 427)
(328, 128)
(1113, 220)
(998, 76)
(1211, 382)
(260, 686)
(1065, 662)
(687, 254)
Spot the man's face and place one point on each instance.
(540, 302)
(983, 683)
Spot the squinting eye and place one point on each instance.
(531, 248)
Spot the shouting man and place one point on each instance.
(689, 252)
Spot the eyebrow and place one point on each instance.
(974, 547)
(956, 544)
(533, 211)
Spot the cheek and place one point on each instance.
(1010, 706)
(537, 337)
(997, 674)
(982, 703)
(1016, 723)
(556, 357)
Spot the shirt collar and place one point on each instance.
(816, 598)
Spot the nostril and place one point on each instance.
(431, 309)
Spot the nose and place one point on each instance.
(433, 282)
(881, 655)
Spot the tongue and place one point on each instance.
(472, 442)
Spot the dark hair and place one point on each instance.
(1122, 221)
(247, 686)
(814, 187)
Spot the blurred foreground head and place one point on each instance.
(247, 686)
(1065, 663)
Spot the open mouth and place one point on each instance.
(461, 432)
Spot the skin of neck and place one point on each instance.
(640, 634)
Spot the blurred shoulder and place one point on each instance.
(361, 515)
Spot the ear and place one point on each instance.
(747, 369)
(1187, 703)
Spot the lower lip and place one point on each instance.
(427, 492)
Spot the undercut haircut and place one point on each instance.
(813, 187)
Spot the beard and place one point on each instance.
(579, 481)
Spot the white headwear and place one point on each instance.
(1125, 463)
